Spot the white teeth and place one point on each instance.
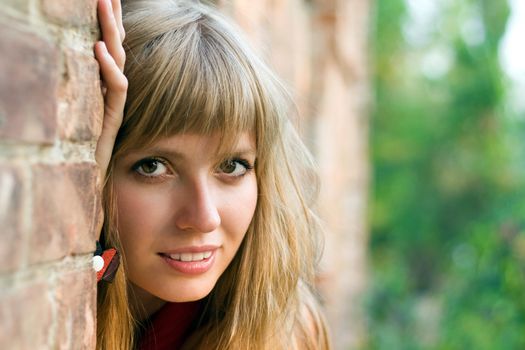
(197, 257)
(175, 256)
(186, 257)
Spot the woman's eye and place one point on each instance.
(235, 167)
(150, 167)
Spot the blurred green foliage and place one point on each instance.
(448, 199)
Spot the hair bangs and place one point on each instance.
(205, 86)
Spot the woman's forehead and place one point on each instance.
(181, 144)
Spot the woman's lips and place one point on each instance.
(190, 262)
(188, 257)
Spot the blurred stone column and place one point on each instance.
(320, 48)
(341, 94)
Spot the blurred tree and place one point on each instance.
(447, 220)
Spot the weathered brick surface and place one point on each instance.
(76, 310)
(11, 216)
(84, 177)
(81, 103)
(50, 114)
(29, 76)
(26, 316)
(71, 12)
(64, 210)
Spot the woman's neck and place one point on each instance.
(142, 303)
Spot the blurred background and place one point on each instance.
(447, 208)
(415, 112)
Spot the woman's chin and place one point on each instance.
(184, 295)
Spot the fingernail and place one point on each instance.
(104, 48)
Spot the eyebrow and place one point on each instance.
(164, 151)
(173, 154)
(239, 152)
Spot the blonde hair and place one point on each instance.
(190, 71)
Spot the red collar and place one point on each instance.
(169, 327)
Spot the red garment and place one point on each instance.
(169, 327)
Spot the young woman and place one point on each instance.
(208, 189)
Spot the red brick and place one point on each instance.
(71, 12)
(80, 119)
(65, 210)
(76, 300)
(26, 317)
(84, 177)
(11, 216)
(28, 86)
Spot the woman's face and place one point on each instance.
(183, 211)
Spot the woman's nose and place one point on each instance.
(199, 211)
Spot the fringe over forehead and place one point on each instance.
(189, 72)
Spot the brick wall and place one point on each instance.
(50, 113)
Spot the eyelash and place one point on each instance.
(136, 167)
(243, 162)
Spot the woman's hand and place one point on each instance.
(111, 58)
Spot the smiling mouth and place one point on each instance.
(189, 257)
(194, 263)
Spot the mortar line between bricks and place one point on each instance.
(59, 152)
(81, 38)
(52, 334)
(83, 33)
(16, 279)
(27, 215)
(11, 14)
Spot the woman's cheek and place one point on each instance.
(242, 206)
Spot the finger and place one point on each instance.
(115, 99)
(110, 32)
(117, 13)
(115, 83)
(104, 150)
